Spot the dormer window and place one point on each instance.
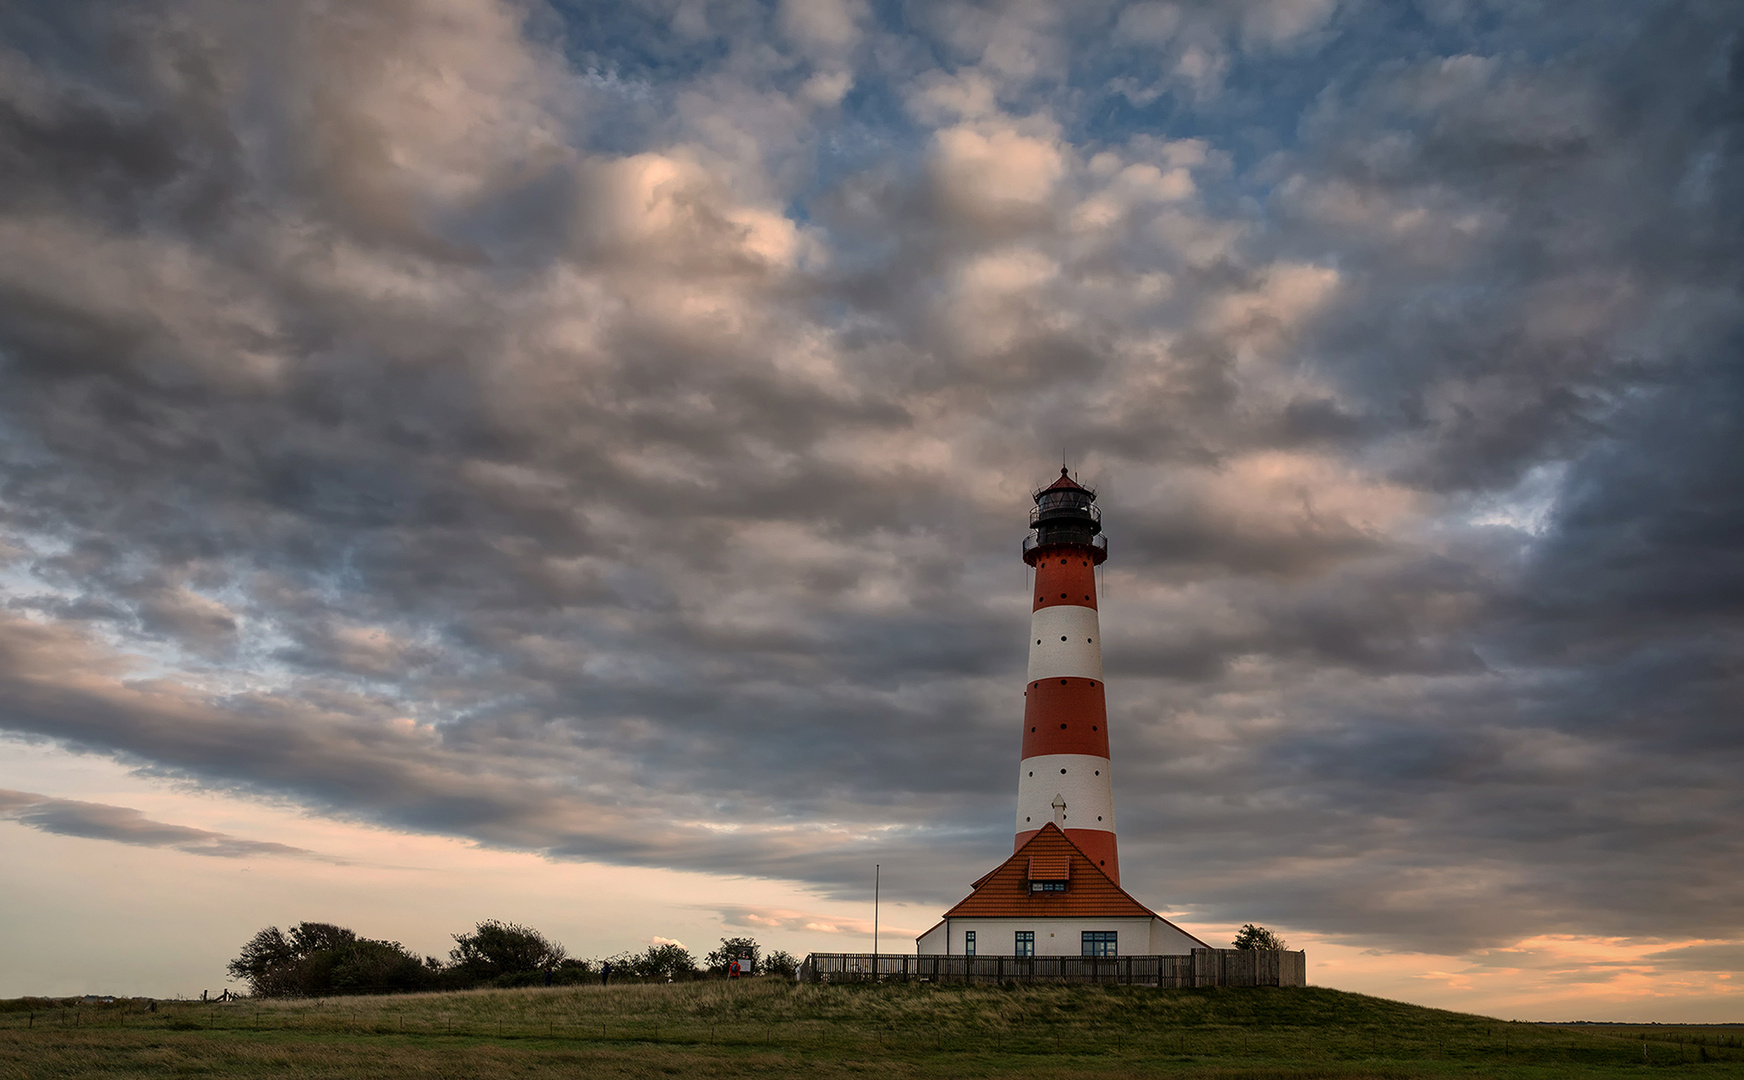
(1048, 874)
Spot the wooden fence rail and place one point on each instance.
(1201, 967)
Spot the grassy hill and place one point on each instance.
(770, 1028)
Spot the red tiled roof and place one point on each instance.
(1004, 893)
(1050, 868)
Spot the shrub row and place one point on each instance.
(320, 959)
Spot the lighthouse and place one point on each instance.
(1065, 776)
(1059, 893)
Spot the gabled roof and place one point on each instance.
(1004, 893)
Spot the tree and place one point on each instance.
(364, 966)
(309, 938)
(265, 963)
(498, 948)
(1258, 937)
(733, 949)
(670, 962)
(782, 963)
(321, 958)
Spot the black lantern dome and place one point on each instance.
(1065, 515)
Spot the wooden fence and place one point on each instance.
(1201, 967)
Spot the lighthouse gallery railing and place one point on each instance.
(1100, 543)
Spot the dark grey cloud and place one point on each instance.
(1699, 958)
(124, 825)
(561, 437)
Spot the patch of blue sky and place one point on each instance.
(873, 131)
(1257, 106)
(1530, 506)
(55, 34)
(634, 40)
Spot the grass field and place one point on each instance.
(769, 1028)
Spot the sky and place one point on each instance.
(566, 463)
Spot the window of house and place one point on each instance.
(1047, 886)
(968, 943)
(1025, 943)
(1099, 942)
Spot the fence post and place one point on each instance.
(1203, 967)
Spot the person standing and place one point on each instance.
(605, 973)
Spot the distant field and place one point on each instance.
(770, 1028)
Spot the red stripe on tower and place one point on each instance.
(1065, 776)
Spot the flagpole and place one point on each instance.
(876, 872)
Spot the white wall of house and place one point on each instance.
(1166, 940)
(1055, 937)
(931, 943)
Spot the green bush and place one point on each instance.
(495, 949)
(321, 958)
(664, 963)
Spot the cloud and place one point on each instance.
(827, 25)
(123, 825)
(937, 98)
(1726, 956)
(994, 177)
(1276, 22)
(768, 920)
(1152, 23)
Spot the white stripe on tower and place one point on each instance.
(1065, 640)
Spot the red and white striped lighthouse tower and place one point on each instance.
(1065, 776)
